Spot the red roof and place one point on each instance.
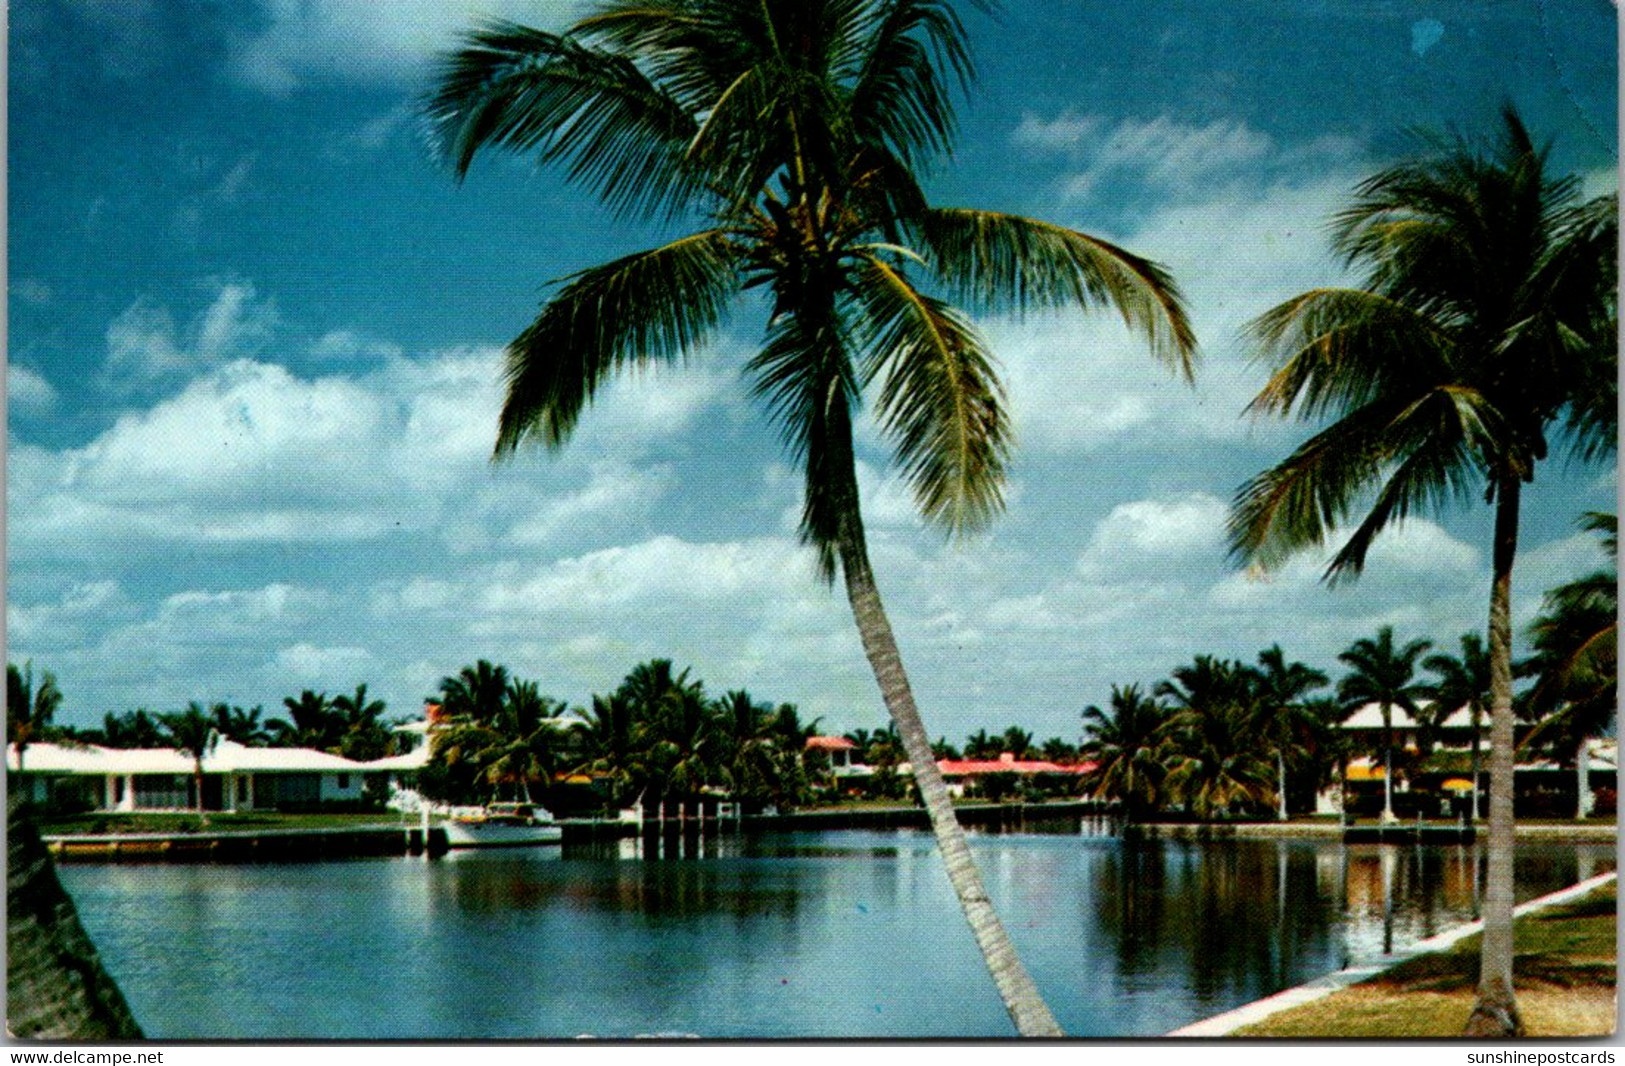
(830, 744)
(1008, 764)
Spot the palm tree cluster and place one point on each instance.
(1216, 738)
(658, 737)
(1220, 737)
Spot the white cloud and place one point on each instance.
(143, 343)
(1153, 532)
(1079, 382)
(325, 666)
(362, 40)
(1178, 158)
(27, 392)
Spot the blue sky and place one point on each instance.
(254, 338)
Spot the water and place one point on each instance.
(831, 934)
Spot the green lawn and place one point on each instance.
(98, 824)
(1564, 971)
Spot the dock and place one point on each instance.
(256, 845)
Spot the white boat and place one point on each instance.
(500, 825)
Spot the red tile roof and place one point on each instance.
(1008, 764)
(830, 744)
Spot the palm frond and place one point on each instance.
(898, 98)
(805, 374)
(651, 306)
(525, 90)
(1341, 349)
(993, 262)
(940, 398)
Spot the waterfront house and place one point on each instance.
(963, 773)
(235, 777)
(842, 755)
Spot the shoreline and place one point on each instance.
(1250, 1014)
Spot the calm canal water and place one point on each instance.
(831, 934)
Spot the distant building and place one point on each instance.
(842, 754)
(235, 777)
(960, 772)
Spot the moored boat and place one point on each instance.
(500, 825)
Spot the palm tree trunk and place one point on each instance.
(1495, 1014)
(1027, 1009)
(1387, 764)
(1472, 815)
(1582, 783)
(56, 988)
(1280, 777)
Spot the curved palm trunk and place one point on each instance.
(1387, 764)
(1495, 1014)
(1027, 1009)
(1472, 815)
(56, 988)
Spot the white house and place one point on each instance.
(235, 777)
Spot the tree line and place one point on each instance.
(1220, 737)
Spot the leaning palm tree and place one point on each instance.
(1485, 322)
(1385, 675)
(1464, 681)
(794, 132)
(1576, 662)
(1283, 717)
(29, 711)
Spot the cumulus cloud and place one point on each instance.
(1153, 532)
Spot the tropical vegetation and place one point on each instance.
(794, 134)
(1480, 339)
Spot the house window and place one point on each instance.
(344, 781)
(242, 790)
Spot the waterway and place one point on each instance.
(818, 934)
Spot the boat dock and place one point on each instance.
(258, 845)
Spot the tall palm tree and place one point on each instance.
(794, 130)
(476, 692)
(1385, 675)
(29, 711)
(1576, 662)
(1125, 745)
(1283, 717)
(190, 732)
(1486, 322)
(132, 729)
(1464, 681)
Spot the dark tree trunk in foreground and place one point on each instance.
(1496, 1012)
(1027, 1009)
(56, 988)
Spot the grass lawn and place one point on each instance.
(96, 824)
(1564, 972)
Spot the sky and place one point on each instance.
(255, 332)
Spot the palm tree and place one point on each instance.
(1017, 741)
(1210, 748)
(608, 743)
(242, 726)
(476, 693)
(1464, 681)
(1576, 662)
(190, 732)
(1125, 746)
(29, 711)
(1283, 717)
(1485, 322)
(794, 129)
(132, 729)
(362, 735)
(1386, 676)
(312, 723)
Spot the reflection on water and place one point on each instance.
(836, 934)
